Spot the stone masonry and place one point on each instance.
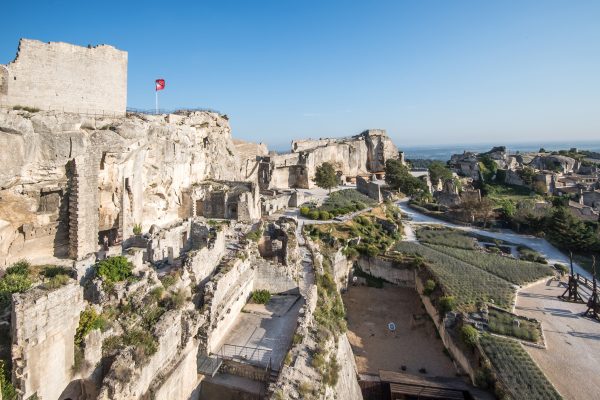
(65, 77)
(43, 331)
(83, 209)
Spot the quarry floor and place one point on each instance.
(269, 327)
(572, 359)
(375, 347)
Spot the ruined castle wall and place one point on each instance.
(274, 278)
(83, 207)
(347, 385)
(203, 262)
(129, 379)
(168, 243)
(43, 331)
(183, 381)
(228, 292)
(61, 76)
(249, 154)
(371, 189)
(389, 270)
(341, 267)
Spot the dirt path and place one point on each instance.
(414, 344)
(572, 360)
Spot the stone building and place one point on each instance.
(360, 155)
(64, 77)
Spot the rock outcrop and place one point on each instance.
(140, 165)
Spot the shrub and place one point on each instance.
(324, 215)
(114, 269)
(306, 390)
(254, 235)
(57, 281)
(447, 304)
(157, 293)
(469, 335)
(89, 320)
(168, 280)
(137, 229)
(21, 267)
(178, 298)
(261, 296)
(429, 287)
(304, 211)
(8, 390)
(313, 214)
(12, 283)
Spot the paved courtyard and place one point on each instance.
(266, 327)
(572, 359)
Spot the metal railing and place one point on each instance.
(251, 355)
(104, 113)
(162, 111)
(66, 110)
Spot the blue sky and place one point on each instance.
(430, 72)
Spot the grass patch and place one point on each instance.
(497, 191)
(517, 370)
(144, 342)
(261, 296)
(503, 323)
(446, 237)
(338, 203)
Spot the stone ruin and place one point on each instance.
(173, 194)
(360, 155)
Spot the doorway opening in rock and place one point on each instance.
(110, 234)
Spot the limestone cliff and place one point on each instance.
(136, 171)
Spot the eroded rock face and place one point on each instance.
(362, 155)
(140, 164)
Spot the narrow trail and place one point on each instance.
(308, 274)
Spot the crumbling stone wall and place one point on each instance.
(202, 263)
(371, 189)
(388, 269)
(83, 207)
(62, 76)
(43, 330)
(358, 155)
(274, 278)
(225, 295)
(131, 380)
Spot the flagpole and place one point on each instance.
(156, 102)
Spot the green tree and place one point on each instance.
(398, 177)
(326, 177)
(437, 171)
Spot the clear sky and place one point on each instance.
(430, 72)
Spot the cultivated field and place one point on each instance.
(518, 371)
(467, 283)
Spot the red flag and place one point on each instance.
(160, 84)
